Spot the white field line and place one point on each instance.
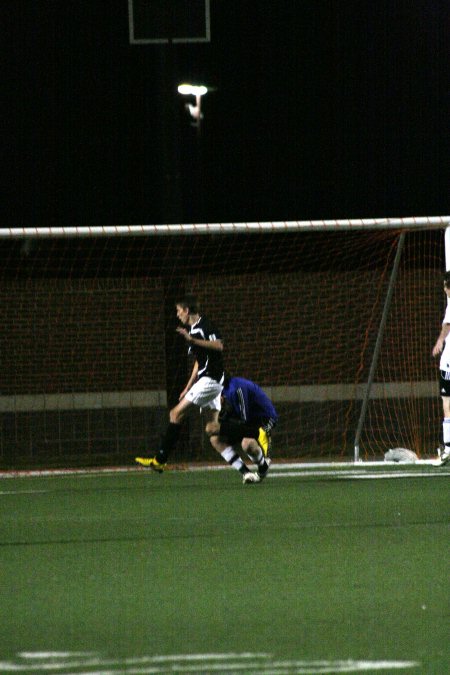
(337, 475)
(185, 658)
(277, 471)
(193, 663)
(54, 655)
(39, 473)
(94, 471)
(300, 668)
(346, 475)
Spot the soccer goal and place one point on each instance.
(334, 319)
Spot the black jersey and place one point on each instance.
(210, 362)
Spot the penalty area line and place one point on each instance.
(349, 475)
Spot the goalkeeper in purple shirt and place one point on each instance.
(246, 419)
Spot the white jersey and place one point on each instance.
(445, 356)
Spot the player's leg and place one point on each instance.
(445, 454)
(223, 438)
(444, 387)
(205, 392)
(170, 438)
(253, 450)
(172, 434)
(207, 397)
(264, 441)
(264, 436)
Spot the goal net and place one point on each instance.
(335, 320)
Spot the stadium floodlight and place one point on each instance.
(194, 90)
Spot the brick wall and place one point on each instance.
(64, 335)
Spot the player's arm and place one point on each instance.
(191, 381)
(213, 344)
(226, 410)
(439, 346)
(262, 406)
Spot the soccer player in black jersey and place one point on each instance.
(205, 383)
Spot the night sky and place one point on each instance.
(321, 109)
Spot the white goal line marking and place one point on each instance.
(221, 662)
(345, 470)
(355, 475)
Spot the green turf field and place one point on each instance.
(313, 571)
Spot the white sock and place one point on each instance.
(234, 460)
(259, 458)
(446, 431)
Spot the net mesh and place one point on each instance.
(91, 359)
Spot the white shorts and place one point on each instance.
(205, 393)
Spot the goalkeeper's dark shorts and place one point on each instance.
(233, 431)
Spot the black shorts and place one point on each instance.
(233, 431)
(444, 383)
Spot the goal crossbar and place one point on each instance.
(410, 223)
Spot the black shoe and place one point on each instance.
(263, 470)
